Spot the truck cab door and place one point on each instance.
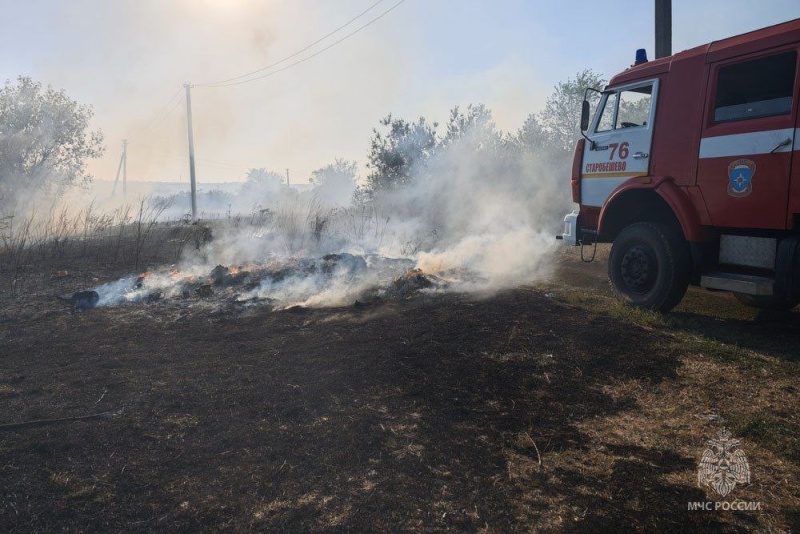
(748, 138)
(620, 138)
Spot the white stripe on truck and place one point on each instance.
(746, 144)
(596, 190)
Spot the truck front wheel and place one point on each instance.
(650, 266)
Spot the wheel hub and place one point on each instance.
(639, 268)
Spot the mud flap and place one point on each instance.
(787, 267)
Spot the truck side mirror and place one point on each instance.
(585, 116)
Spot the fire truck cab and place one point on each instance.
(690, 167)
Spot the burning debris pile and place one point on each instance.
(332, 280)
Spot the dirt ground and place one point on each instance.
(549, 407)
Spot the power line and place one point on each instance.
(287, 58)
(219, 165)
(174, 107)
(230, 84)
(172, 104)
(165, 111)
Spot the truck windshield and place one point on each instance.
(606, 121)
(634, 107)
(628, 108)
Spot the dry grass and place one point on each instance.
(547, 408)
(126, 238)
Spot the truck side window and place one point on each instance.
(606, 121)
(760, 87)
(634, 107)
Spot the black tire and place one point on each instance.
(650, 266)
(776, 302)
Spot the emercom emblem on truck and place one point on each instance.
(740, 174)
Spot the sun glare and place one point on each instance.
(224, 5)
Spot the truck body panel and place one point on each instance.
(706, 142)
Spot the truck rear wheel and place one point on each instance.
(650, 266)
(772, 302)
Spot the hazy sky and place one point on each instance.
(128, 58)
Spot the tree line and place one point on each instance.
(46, 141)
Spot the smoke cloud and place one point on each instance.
(468, 209)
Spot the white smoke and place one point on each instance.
(479, 214)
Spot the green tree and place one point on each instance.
(335, 182)
(473, 133)
(264, 187)
(341, 171)
(409, 151)
(474, 126)
(399, 155)
(560, 118)
(531, 137)
(263, 176)
(45, 141)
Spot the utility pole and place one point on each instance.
(119, 169)
(287, 178)
(124, 168)
(663, 28)
(191, 148)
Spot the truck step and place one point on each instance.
(739, 283)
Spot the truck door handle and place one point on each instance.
(640, 155)
(785, 142)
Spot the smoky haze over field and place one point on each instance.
(128, 58)
(472, 206)
(477, 197)
(138, 54)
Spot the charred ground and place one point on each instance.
(545, 407)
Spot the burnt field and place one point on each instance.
(548, 407)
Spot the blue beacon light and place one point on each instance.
(641, 56)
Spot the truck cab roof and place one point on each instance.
(746, 43)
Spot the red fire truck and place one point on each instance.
(690, 167)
